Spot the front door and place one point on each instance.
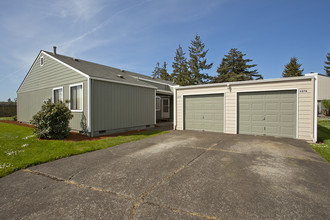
(165, 108)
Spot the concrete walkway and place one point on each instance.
(179, 175)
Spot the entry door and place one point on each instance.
(268, 113)
(204, 112)
(165, 108)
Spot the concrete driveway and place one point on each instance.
(179, 175)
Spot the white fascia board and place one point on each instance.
(247, 82)
(164, 92)
(150, 80)
(125, 83)
(67, 65)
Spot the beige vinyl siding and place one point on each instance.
(39, 84)
(323, 87)
(305, 102)
(118, 106)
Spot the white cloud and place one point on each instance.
(78, 10)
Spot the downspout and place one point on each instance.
(315, 79)
(174, 107)
(155, 118)
(89, 122)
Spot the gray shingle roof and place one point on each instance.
(95, 70)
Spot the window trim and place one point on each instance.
(43, 60)
(160, 99)
(82, 97)
(57, 88)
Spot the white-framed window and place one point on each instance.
(57, 94)
(76, 97)
(157, 103)
(42, 61)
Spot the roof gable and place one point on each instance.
(49, 74)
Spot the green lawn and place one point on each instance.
(323, 147)
(19, 148)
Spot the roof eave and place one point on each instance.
(246, 82)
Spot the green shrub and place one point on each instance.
(15, 117)
(52, 121)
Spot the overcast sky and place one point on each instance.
(134, 35)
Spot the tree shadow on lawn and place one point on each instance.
(323, 133)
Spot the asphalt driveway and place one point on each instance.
(179, 175)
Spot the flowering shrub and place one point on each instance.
(52, 121)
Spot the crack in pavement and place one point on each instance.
(182, 211)
(75, 174)
(78, 184)
(140, 199)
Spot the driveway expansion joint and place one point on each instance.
(182, 211)
(78, 184)
(140, 199)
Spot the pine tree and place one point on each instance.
(293, 68)
(163, 72)
(156, 72)
(181, 75)
(197, 62)
(327, 65)
(234, 67)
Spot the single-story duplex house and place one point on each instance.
(103, 99)
(285, 107)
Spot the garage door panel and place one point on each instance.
(257, 106)
(257, 129)
(204, 112)
(287, 132)
(272, 130)
(272, 118)
(272, 106)
(257, 117)
(287, 106)
(287, 118)
(272, 113)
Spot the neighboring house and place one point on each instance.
(285, 107)
(323, 91)
(103, 99)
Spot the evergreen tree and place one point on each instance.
(163, 72)
(197, 62)
(234, 67)
(181, 75)
(293, 68)
(156, 72)
(327, 65)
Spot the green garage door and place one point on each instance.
(268, 113)
(204, 112)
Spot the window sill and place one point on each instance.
(77, 110)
